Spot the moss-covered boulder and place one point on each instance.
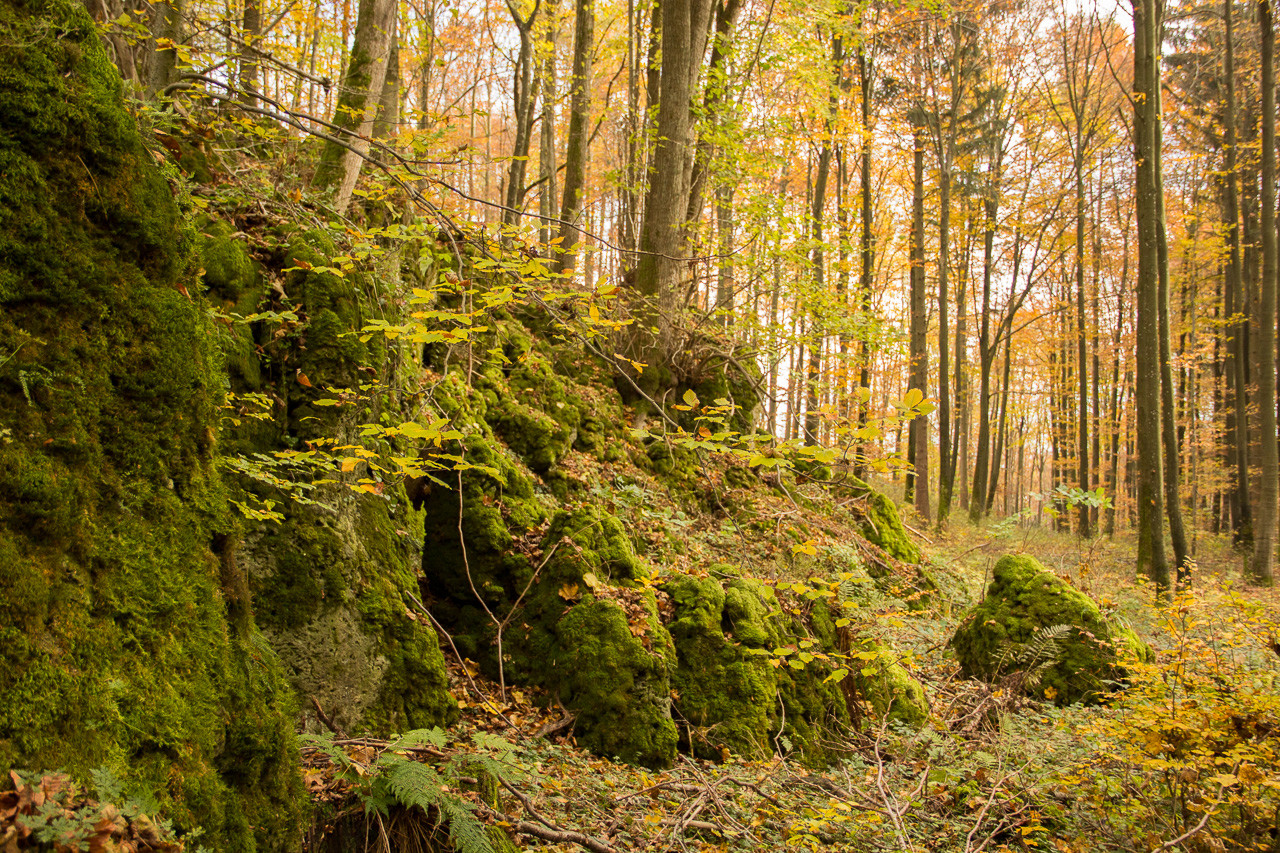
(878, 679)
(1020, 624)
(126, 635)
(725, 696)
(587, 631)
(754, 673)
(335, 579)
(611, 666)
(333, 599)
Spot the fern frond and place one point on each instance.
(325, 744)
(1041, 651)
(420, 737)
(467, 833)
(415, 784)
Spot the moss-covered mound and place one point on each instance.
(899, 570)
(747, 668)
(1020, 625)
(126, 639)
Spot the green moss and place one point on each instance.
(495, 506)
(1022, 600)
(725, 697)
(733, 692)
(229, 271)
(331, 592)
(120, 647)
(882, 526)
(886, 685)
(616, 683)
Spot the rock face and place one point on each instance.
(126, 635)
(1009, 630)
(331, 579)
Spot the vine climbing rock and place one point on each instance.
(127, 639)
(1032, 621)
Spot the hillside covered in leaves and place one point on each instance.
(373, 532)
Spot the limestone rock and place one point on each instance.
(1023, 604)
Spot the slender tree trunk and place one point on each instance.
(166, 36)
(918, 436)
(1146, 63)
(1265, 515)
(944, 349)
(724, 231)
(1082, 365)
(663, 238)
(358, 101)
(387, 125)
(1168, 426)
(1113, 478)
(575, 161)
(866, 248)
(979, 505)
(818, 254)
(250, 31)
(547, 195)
(523, 101)
(1002, 429)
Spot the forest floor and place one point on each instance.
(1187, 759)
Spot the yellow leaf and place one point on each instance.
(349, 464)
(569, 591)
(805, 548)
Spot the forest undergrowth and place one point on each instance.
(1185, 757)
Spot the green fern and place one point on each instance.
(1037, 654)
(415, 784)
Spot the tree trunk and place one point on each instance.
(166, 35)
(1268, 490)
(575, 161)
(547, 201)
(918, 436)
(523, 100)
(250, 31)
(358, 102)
(979, 504)
(387, 124)
(661, 266)
(1146, 84)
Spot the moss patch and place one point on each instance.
(1022, 600)
(126, 639)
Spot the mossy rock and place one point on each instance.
(235, 286)
(878, 678)
(126, 634)
(726, 698)
(535, 411)
(881, 525)
(331, 592)
(592, 637)
(229, 270)
(1022, 601)
(495, 508)
(735, 693)
(612, 668)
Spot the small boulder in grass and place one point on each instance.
(1033, 620)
